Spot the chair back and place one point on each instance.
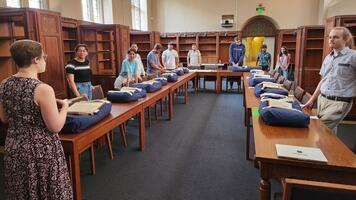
(98, 92)
(298, 93)
(294, 189)
(287, 84)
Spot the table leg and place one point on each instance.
(142, 129)
(196, 84)
(248, 135)
(170, 107)
(76, 174)
(218, 82)
(265, 189)
(186, 93)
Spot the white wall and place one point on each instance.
(205, 15)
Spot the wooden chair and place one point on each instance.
(280, 79)
(209, 78)
(276, 75)
(306, 98)
(287, 84)
(272, 72)
(308, 190)
(299, 93)
(2, 149)
(98, 92)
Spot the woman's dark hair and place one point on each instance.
(281, 53)
(80, 45)
(23, 51)
(131, 50)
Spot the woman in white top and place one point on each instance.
(141, 69)
(194, 56)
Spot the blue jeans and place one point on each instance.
(85, 88)
(284, 73)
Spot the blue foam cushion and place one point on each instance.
(242, 69)
(124, 97)
(163, 80)
(283, 117)
(171, 77)
(157, 85)
(78, 123)
(179, 71)
(254, 81)
(259, 90)
(186, 70)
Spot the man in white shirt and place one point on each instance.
(170, 57)
(194, 56)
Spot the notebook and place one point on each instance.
(300, 153)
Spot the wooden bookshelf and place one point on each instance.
(39, 25)
(145, 43)
(185, 44)
(225, 40)
(348, 21)
(208, 45)
(167, 38)
(107, 45)
(309, 50)
(287, 38)
(70, 37)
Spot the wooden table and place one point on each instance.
(76, 143)
(249, 101)
(341, 166)
(204, 72)
(227, 73)
(182, 82)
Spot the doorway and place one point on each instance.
(259, 30)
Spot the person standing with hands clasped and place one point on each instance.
(264, 58)
(79, 73)
(34, 162)
(337, 86)
(236, 58)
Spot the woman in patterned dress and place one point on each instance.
(35, 166)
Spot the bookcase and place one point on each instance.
(70, 36)
(102, 53)
(107, 45)
(208, 45)
(167, 38)
(348, 21)
(11, 29)
(287, 38)
(35, 24)
(185, 44)
(144, 41)
(225, 39)
(309, 47)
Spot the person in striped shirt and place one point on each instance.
(79, 73)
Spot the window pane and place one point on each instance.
(86, 10)
(34, 3)
(13, 3)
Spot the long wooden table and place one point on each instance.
(341, 166)
(249, 101)
(75, 143)
(219, 73)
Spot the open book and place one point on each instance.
(85, 107)
(300, 153)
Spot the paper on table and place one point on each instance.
(301, 153)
